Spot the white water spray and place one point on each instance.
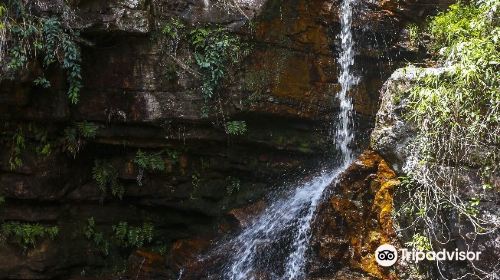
(283, 231)
(347, 80)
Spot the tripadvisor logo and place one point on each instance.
(386, 255)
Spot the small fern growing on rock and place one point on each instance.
(236, 127)
(27, 235)
(133, 237)
(106, 175)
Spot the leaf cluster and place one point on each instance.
(31, 36)
(106, 176)
(27, 235)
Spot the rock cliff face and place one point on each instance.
(354, 221)
(365, 206)
(392, 138)
(284, 90)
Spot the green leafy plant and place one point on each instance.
(27, 235)
(42, 82)
(236, 127)
(173, 155)
(87, 129)
(95, 236)
(76, 136)
(30, 36)
(173, 28)
(455, 110)
(131, 236)
(195, 183)
(214, 50)
(41, 136)
(18, 145)
(414, 34)
(149, 161)
(420, 243)
(233, 185)
(106, 176)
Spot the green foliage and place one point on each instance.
(472, 207)
(173, 155)
(40, 134)
(236, 127)
(420, 242)
(414, 34)
(149, 161)
(173, 28)
(195, 183)
(133, 237)
(461, 23)
(17, 147)
(42, 82)
(27, 235)
(87, 129)
(458, 111)
(106, 176)
(214, 50)
(75, 136)
(233, 185)
(97, 237)
(31, 35)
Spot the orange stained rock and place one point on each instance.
(151, 259)
(366, 204)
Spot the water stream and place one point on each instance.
(276, 243)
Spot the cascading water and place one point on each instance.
(282, 232)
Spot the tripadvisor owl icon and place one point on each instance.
(386, 255)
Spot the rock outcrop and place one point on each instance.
(392, 138)
(355, 220)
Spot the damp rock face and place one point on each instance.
(392, 137)
(355, 220)
(142, 97)
(360, 210)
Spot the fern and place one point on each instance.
(87, 129)
(76, 136)
(236, 127)
(149, 161)
(18, 145)
(27, 235)
(32, 36)
(133, 237)
(95, 236)
(106, 176)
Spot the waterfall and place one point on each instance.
(347, 79)
(276, 243)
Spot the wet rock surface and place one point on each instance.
(354, 221)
